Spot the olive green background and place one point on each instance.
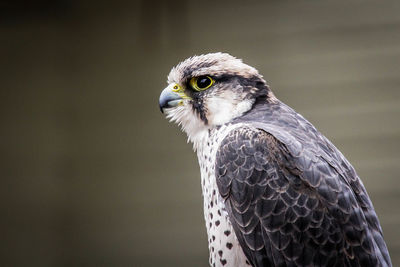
(92, 174)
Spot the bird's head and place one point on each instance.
(210, 90)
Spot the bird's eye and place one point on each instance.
(201, 83)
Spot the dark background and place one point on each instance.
(93, 175)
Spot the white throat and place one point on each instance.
(191, 124)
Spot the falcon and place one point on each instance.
(276, 191)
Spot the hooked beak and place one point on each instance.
(169, 98)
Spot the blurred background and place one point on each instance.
(92, 174)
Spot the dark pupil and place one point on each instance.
(203, 82)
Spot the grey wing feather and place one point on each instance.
(293, 205)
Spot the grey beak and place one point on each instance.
(169, 99)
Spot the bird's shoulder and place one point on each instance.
(298, 137)
(290, 191)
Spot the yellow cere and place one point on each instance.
(180, 91)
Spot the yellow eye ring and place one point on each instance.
(201, 83)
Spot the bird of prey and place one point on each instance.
(276, 191)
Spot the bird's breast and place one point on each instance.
(223, 245)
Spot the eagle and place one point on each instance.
(276, 191)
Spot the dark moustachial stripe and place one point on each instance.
(198, 107)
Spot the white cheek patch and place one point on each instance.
(224, 108)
